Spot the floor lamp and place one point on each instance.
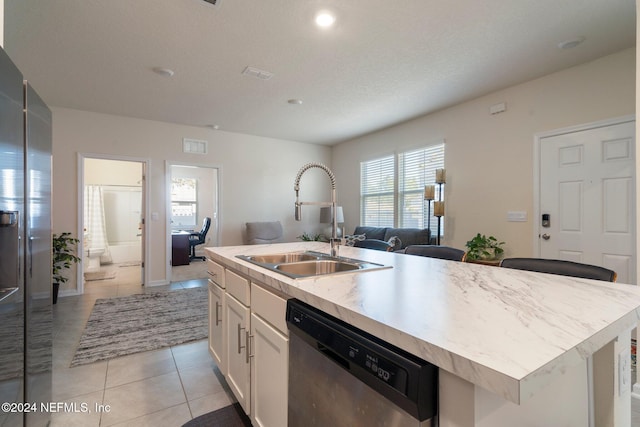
(438, 206)
(429, 195)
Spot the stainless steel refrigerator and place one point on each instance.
(25, 250)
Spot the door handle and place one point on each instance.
(240, 346)
(247, 340)
(218, 320)
(545, 236)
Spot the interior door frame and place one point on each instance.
(146, 166)
(537, 145)
(216, 222)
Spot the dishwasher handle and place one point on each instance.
(333, 356)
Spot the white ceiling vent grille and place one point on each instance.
(257, 73)
(194, 146)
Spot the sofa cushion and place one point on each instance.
(378, 245)
(408, 236)
(353, 239)
(371, 232)
(396, 243)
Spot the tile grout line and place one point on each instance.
(184, 392)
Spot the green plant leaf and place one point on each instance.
(63, 255)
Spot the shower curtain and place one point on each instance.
(94, 221)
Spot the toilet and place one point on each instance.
(93, 254)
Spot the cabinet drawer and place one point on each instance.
(238, 286)
(217, 290)
(270, 307)
(216, 273)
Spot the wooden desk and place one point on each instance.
(180, 248)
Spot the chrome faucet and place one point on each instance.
(333, 241)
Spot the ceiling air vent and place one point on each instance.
(257, 73)
(194, 146)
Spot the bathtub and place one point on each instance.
(123, 252)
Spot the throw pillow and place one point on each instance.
(395, 243)
(351, 240)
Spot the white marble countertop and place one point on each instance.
(508, 331)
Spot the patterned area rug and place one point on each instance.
(142, 322)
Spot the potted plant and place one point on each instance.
(305, 237)
(64, 248)
(483, 248)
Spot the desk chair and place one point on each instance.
(436, 251)
(561, 267)
(199, 238)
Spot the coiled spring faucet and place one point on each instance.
(333, 241)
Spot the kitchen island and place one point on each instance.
(509, 343)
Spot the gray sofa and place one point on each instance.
(407, 236)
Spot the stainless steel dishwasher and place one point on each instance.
(342, 376)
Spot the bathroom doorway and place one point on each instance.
(193, 195)
(112, 213)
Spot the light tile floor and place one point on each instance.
(165, 387)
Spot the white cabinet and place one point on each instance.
(217, 332)
(248, 338)
(270, 359)
(237, 323)
(269, 375)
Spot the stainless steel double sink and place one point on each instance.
(309, 263)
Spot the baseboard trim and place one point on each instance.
(158, 283)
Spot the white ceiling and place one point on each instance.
(383, 62)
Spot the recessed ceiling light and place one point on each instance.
(166, 72)
(570, 44)
(325, 19)
(295, 101)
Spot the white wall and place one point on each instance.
(1, 23)
(111, 172)
(489, 159)
(257, 174)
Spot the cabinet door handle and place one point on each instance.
(247, 339)
(218, 320)
(240, 346)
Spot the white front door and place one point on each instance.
(587, 190)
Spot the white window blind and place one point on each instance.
(184, 203)
(377, 192)
(415, 170)
(392, 188)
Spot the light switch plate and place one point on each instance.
(517, 216)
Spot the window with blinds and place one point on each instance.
(377, 192)
(415, 170)
(392, 188)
